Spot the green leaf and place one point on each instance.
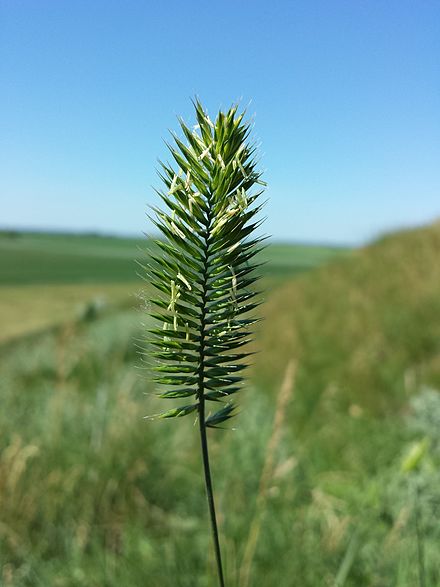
(220, 416)
(178, 393)
(178, 412)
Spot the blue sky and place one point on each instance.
(345, 96)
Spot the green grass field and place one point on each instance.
(51, 258)
(32, 258)
(93, 495)
(46, 279)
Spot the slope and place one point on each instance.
(365, 331)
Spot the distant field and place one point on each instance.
(286, 260)
(48, 258)
(46, 279)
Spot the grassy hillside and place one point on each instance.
(366, 331)
(94, 495)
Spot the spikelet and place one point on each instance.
(207, 267)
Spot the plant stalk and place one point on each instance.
(210, 496)
(202, 424)
(419, 536)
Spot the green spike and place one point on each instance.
(205, 271)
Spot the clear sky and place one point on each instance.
(345, 94)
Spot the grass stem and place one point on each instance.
(210, 496)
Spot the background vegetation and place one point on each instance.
(331, 477)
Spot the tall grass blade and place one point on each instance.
(274, 440)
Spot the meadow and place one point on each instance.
(50, 278)
(329, 476)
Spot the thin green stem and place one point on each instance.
(210, 496)
(419, 536)
(202, 423)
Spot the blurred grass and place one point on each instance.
(366, 330)
(30, 308)
(93, 495)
